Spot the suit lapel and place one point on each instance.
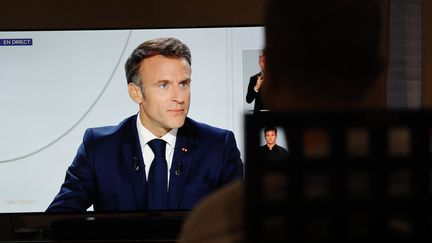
(181, 164)
(133, 160)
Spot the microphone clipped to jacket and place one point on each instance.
(179, 169)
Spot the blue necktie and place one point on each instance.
(157, 183)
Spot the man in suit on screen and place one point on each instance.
(159, 159)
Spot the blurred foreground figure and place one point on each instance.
(320, 55)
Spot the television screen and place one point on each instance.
(55, 84)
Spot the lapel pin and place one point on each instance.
(184, 150)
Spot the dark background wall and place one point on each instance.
(427, 53)
(97, 14)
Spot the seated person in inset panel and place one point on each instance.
(271, 151)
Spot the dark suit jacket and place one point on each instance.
(108, 170)
(252, 95)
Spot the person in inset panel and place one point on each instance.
(271, 151)
(255, 87)
(159, 159)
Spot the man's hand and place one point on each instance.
(259, 83)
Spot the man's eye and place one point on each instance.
(184, 84)
(163, 85)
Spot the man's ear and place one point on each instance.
(135, 93)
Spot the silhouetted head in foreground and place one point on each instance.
(322, 54)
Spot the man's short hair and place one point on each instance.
(329, 47)
(270, 128)
(170, 47)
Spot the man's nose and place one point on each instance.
(178, 95)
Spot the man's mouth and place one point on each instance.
(176, 111)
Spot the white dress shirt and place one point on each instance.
(146, 136)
